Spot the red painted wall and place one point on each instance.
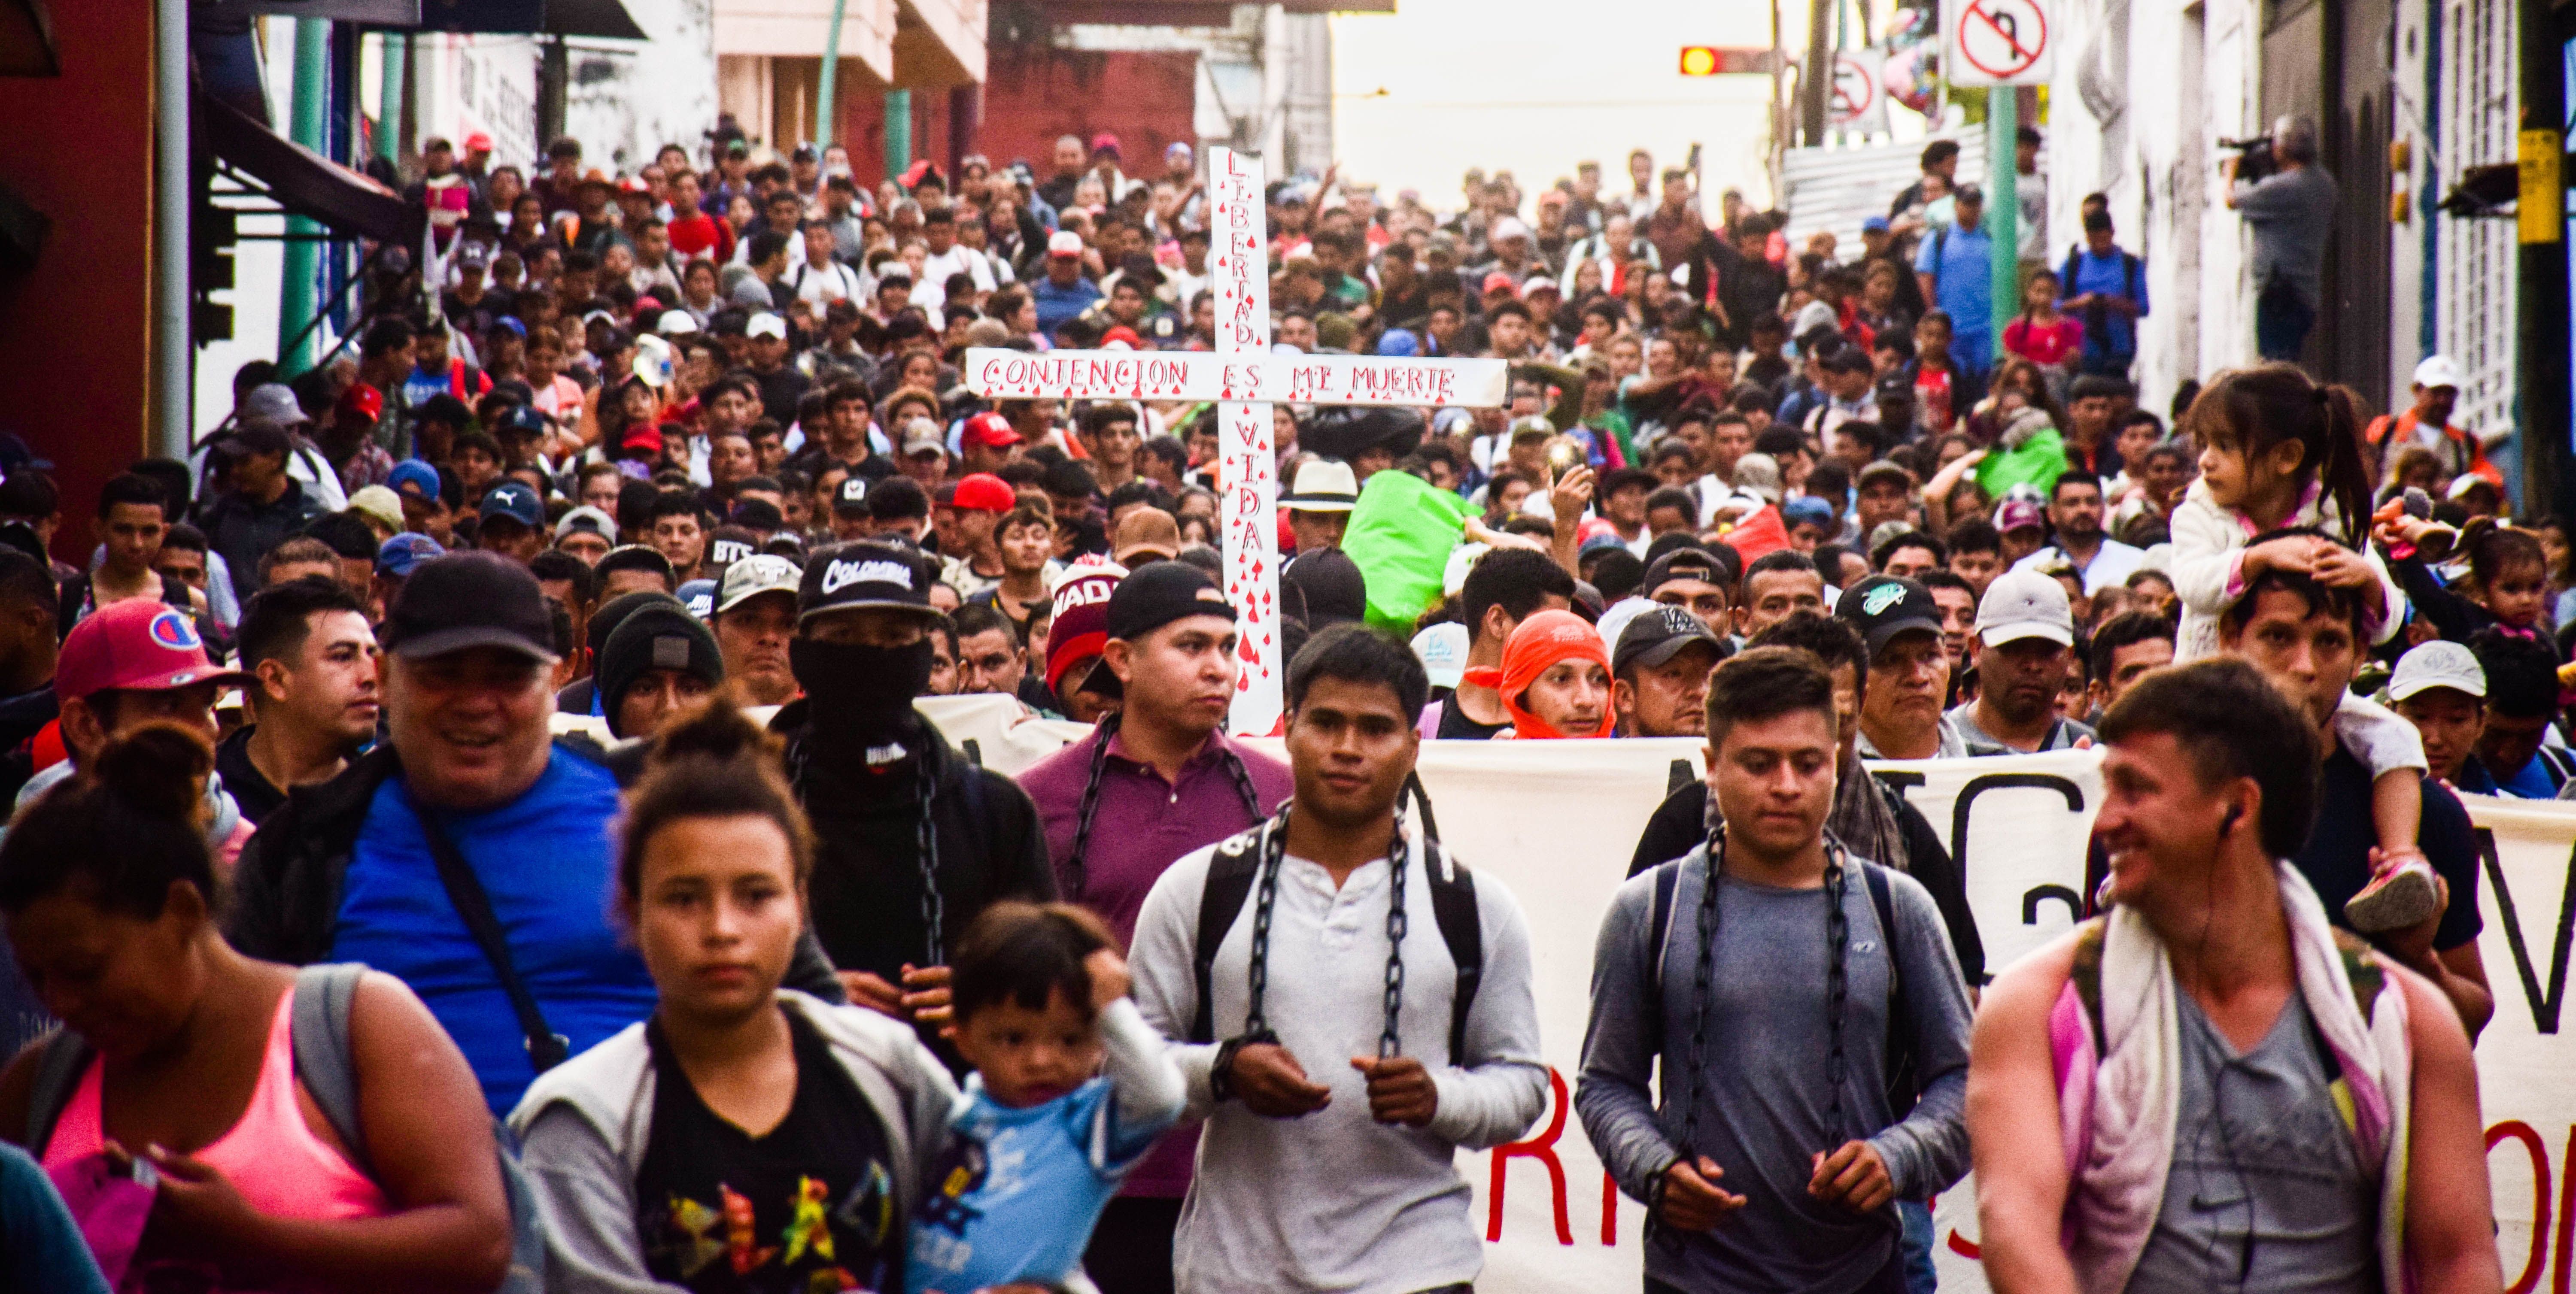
(1033, 94)
(75, 330)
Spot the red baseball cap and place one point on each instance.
(362, 398)
(478, 142)
(990, 430)
(634, 184)
(1124, 336)
(138, 645)
(1104, 142)
(985, 492)
(1500, 282)
(642, 435)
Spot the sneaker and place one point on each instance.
(2395, 899)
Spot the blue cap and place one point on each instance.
(511, 323)
(1874, 225)
(414, 479)
(699, 596)
(513, 499)
(1399, 342)
(1808, 509)
(405, 551)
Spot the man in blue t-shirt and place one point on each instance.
(349, 870)
(1955, 266)
(2105, 288)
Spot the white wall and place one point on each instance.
(2185, 82)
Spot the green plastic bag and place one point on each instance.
(2038, 462)
(1400, 537)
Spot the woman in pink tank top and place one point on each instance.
(188, 1148)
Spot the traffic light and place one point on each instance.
(212, 237)
(1720, 60)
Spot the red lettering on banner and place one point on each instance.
(1541, 1148)
(2532, 1266)
(1609, 1210)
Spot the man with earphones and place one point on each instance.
(2210, 1087)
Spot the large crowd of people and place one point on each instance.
(473, 827)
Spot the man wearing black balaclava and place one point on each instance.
(884, 790)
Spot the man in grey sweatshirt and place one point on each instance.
(1784, 1004)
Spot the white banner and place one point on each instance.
(1004, 374)
(1556, 823)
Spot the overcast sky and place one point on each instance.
(1442, 85)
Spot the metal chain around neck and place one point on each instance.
(1274, 851)
(1077, 864)
(1837, 944)
(934, 910)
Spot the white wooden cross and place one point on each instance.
(1244, 377)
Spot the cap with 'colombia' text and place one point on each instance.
(861, 576)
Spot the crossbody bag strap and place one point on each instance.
(546, 1048)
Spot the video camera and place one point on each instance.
(2254, 158)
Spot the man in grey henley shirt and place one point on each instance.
(1766, 1117)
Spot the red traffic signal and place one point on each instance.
(1719, 60)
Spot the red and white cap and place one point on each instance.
(139, 645)
(1064, 242)
(990, 430)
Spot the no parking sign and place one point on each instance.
(1996, 42)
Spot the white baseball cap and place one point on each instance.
(2439, 663)
(2025, 604)
(766, 324)
(2437, 371)
(676, 323)
(1442, 649)
(1064, 242)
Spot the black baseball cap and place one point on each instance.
(1158, 593)
(1658, 634)
(851, 499)
(1687, 564)
(1883, 606)
(469, 599)
(863, 575)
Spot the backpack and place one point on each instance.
(324, 993)
(2130, 268)
(1236, 867)
(1904, 1077)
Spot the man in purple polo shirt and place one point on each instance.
(1155, 781)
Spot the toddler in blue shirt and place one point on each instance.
(1070, 1088)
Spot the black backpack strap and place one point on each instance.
(58, 1075)
(546, 1048)
(1231, 872)
(1659, 929)
(1462, 928)
(325, 993)
(1904, 1079)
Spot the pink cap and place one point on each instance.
(139, 645)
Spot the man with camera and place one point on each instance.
(2279, 189)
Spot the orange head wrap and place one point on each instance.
(1541, 641)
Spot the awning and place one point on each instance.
(303, 181)
(366, 13)
(598, 19)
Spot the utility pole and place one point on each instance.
(825, 94)
(304, 254)
(1816, 79)
(2003, 201)
(2540, 297)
